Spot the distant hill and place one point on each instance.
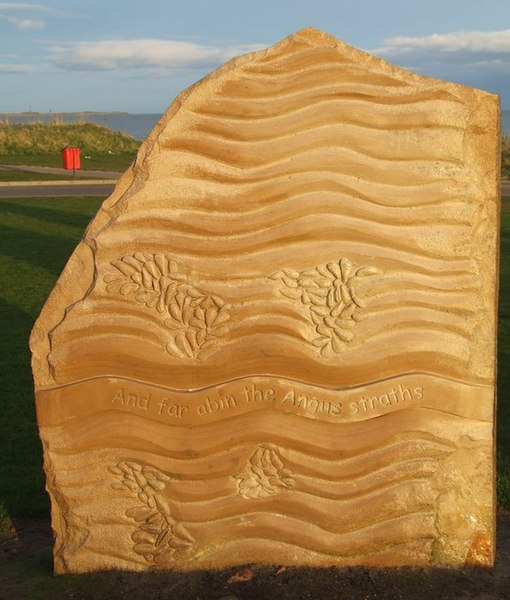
(50, 138)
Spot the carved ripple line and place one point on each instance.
(247, 228)
(324, 177)
(385, 84)
(108, 330)
(313, 94)
(247, 134)
(344, 471)
(286, 124)
(348, 549)
(317, 511)
(134, 444)
(319, 202)
(246, 155)
(379, 83)
(260, 426)
(417, 326)
(304, 496)
(210, 165)
(409, 552)
(305, 88)
(231, 111)
(388, 307)
(291, 380)
(298, 63)
(400, 286)
(317, 530)
(189, 246)
(303, 53)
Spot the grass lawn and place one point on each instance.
(504, 360)
(37, 237)
(104, 161)
(6, 175)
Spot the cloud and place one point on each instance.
(25, 24)
(142, 54)
(30, 22)
(473, 41)
(456, 48)
(14, 69)
(20, 6)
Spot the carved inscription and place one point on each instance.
(158, 535)
(398, 394)
(264, 474)
(196, 319)
(238, 397)
(330, 293)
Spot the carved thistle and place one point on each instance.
(331, 294)
(158, 535)
(197, 319)
(264, 474)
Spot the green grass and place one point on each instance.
(7, 175)
(98, 161)
(505, 157)
(503, 482)
(37, 236)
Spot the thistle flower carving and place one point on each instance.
(330, 293)
(195, 318)
(264, 474)
(158, 535)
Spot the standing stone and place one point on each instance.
(276, 340)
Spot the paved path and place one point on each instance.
(61, 188)
(58, 171)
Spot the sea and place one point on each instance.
(137, 125)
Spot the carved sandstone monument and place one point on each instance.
(275, 342)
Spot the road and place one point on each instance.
(48, 190)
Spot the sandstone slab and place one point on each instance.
(276, 341)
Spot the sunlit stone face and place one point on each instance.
(276, 341)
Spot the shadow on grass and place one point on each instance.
(21, 476)
(30, 262)
(55, 216)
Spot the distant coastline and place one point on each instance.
(61, 114)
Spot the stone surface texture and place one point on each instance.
(276, 341)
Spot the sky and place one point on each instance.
(137, 55)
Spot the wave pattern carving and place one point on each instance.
(331, 295)
(196, 318)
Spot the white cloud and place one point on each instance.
(462, 49)
(20, 6)
(25, 24)
(468, 41)
(14, 69)
(142, 54)
(27, 17)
